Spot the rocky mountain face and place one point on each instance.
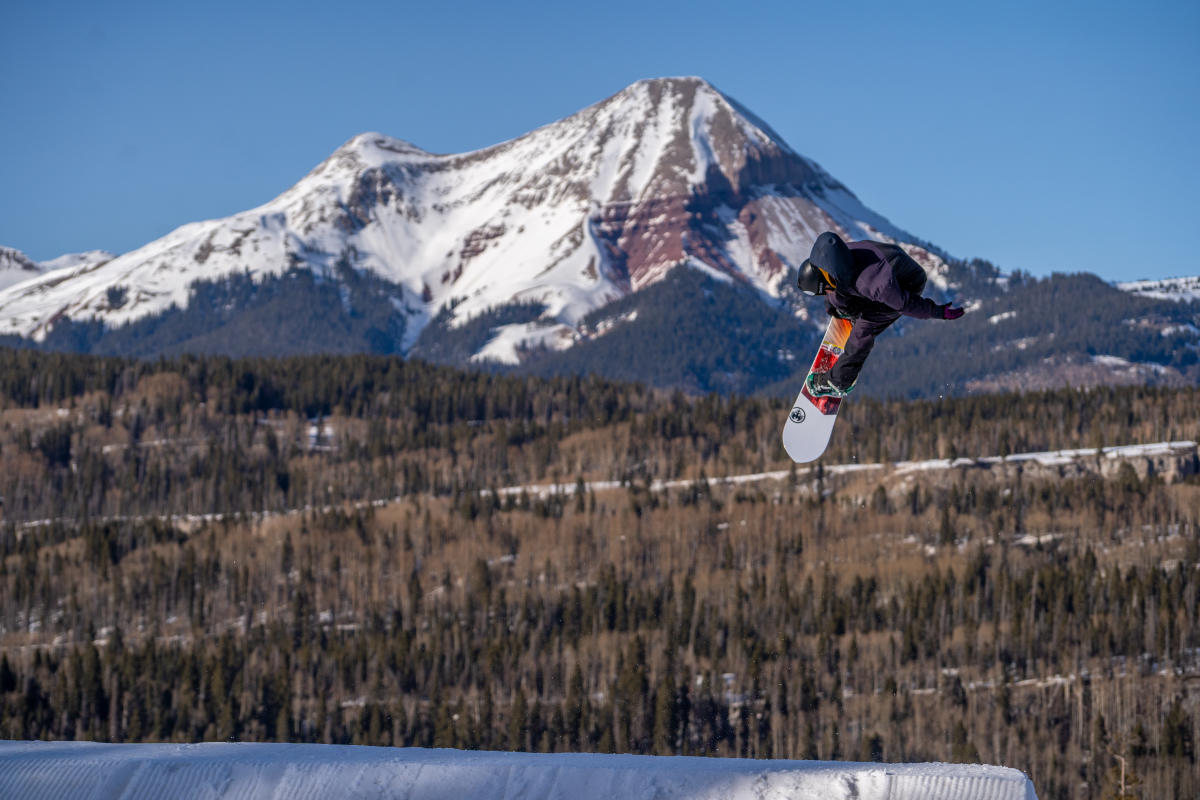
(569, 217)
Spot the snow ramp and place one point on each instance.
(67, 770)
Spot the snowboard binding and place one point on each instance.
(819, 384)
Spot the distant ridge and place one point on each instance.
(1182, 289)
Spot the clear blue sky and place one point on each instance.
(1055, 136)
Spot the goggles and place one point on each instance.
(826, 280)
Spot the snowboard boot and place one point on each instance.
(820, 385)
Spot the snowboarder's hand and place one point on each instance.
(949, 311)
(834, 311)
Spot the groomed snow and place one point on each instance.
(56, 770)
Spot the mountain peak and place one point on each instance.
(12, 258)
(16, 267)
(679, 85)
(690, 87)
(365, 151)
(373, 142)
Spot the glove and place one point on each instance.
(834, 311)
(950, 312)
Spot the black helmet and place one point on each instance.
(812, 281)
(828, 265)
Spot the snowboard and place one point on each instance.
(810, 423)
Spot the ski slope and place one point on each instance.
(1050, 458)
(62, 770)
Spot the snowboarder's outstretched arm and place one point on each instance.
(886, 289)
(915, 305)
(924, 308)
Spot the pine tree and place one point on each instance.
(666, 717)
(518, 722)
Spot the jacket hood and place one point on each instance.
(831, 254)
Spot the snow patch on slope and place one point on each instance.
(52, 770)
(504, 347)
(1118, 363)
(1180, 289)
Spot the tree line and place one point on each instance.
(85, 436)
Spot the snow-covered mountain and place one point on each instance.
(571, 216)
(16, 267)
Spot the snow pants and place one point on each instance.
(871, 320)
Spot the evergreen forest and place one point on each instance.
(363, 549)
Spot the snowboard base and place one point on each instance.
(810, 422)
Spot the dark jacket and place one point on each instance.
(883, 277)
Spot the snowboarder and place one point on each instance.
(872, 283)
